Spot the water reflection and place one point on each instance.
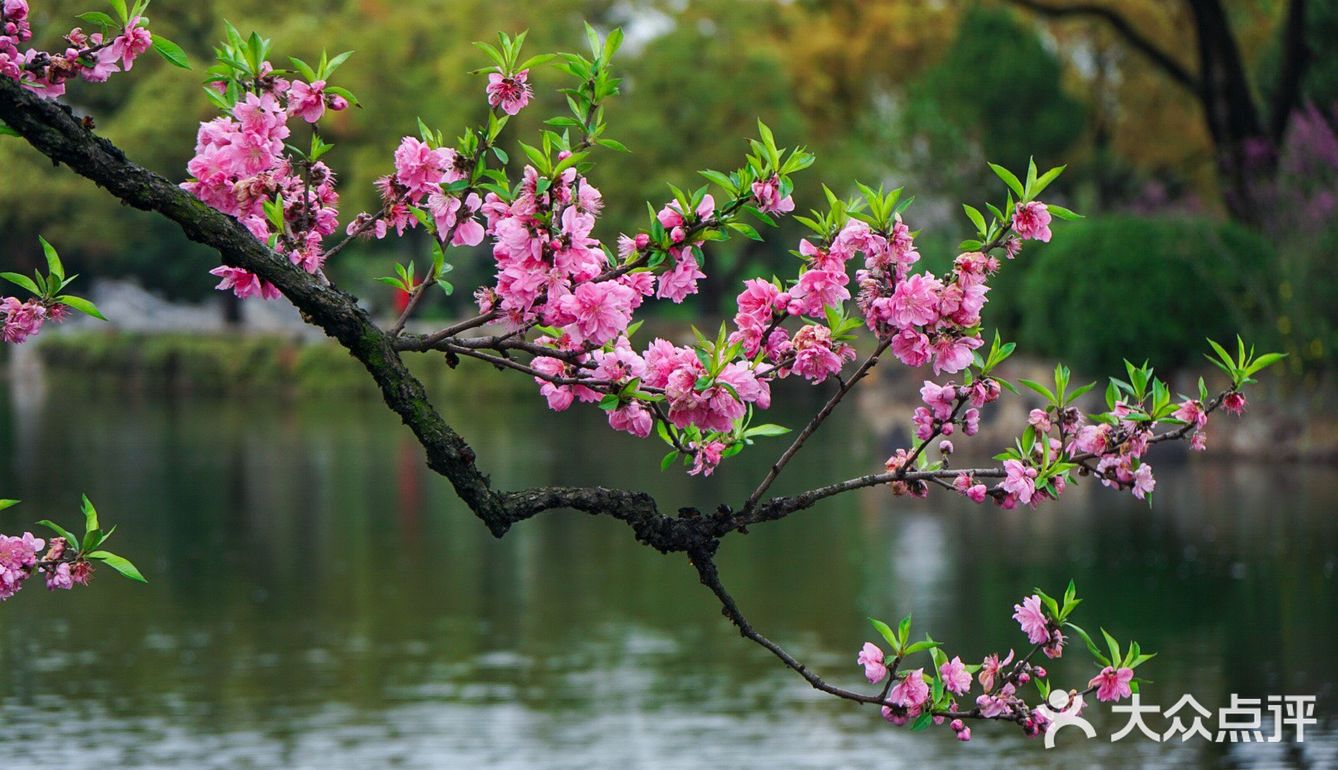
(320, 600)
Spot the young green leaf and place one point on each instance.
(170, 51)
(119, 563)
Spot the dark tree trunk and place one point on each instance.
(1244, 153)
(1245, 142)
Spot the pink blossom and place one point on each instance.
(953, 354)
(1031, 618)
(768, 197)
(1091, 439)
(418, 167)
(1192, 412)
(105, 63)
(1199, 441)
(984, 391)
(21, 319)
(244, 284)
(1040, 419)
(956, 679)
(996, 705)
(707, 457)
(1020, 481)
(641, 283)
(911, 691)
(915, 300)
(446, 213)
(1234, 402)
(511, 94)
(1143, 483)
(1055, 647)
(925, 423)
(59, 577)
(17, 556)
(871, 657)
(817, 356)
(830, 260)
(991, 668)
(1031, 221)
(964, 734)
(911, 347)
(678, 283)
(307, 101)
(816, 290)
(601, 310)
(133, 41)
(632, 418)
(1112, 684)
(971, 421)
(941, 399)
(897, 717)
(757, 302)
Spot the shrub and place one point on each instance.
(1098, 281)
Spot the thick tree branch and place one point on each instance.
(56, 133)
(1124, 28)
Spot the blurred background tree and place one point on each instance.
(1171, 115)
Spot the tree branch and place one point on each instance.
(1124, 29)
(813, 424)
(55, 132)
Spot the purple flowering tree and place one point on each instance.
(562, 311)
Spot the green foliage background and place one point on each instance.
(885, 92)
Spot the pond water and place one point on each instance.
(317, 599)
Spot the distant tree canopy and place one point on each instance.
(893, 91)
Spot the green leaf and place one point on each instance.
(24, 281)
(97, 17)
(63, 532)
(887, 633)
(119, 563)
(82, 305)
(1009, 179)
(1039, 388)
(746, 229)
(1063, 213)
(5, 130)
(1045, 180)
(904, 630)
(1091, 646)
(922, 722)
(976, 217)
(1263, 362)
(8, 504)
(1112, 644)
(612, 144)
(668, 459)
(119, 7)
(766, 430)
(90, 516)
(1222, 354)
(927, 644)
(170, 51)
